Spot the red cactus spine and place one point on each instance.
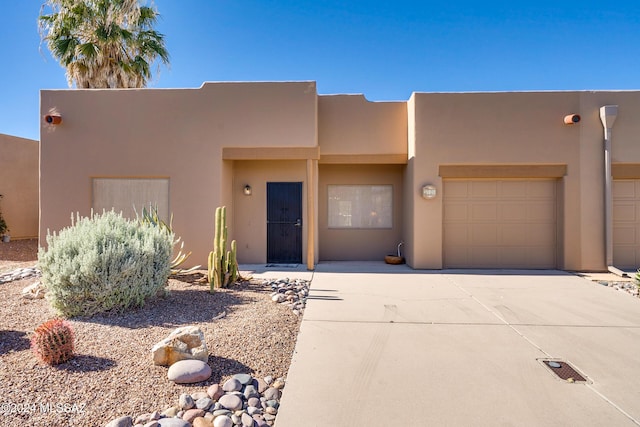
(52, 342)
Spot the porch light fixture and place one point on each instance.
(246, 190)
(429, 192)
(571, 119)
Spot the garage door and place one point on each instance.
(626, 223)
(508, 223)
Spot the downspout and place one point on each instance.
(608, 114)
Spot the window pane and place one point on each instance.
(360, 206)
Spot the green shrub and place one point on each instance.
(104, 263)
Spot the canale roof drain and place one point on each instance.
(608, 114)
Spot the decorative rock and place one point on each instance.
(252, 410)
(170, 412)
(204, 403)
(202, 422)
(34, 291)
(199, 395)
(279, 384)
(192, 414)
(222, 421)
(121, 422)
(243, 378)
(268, 379)
(173, 422)
(185, 343)
(250, 391)
(263, 385)
(269, 417)
(270, 410)
(153, 423)
(215, 391)
(272, 394)
(253, 401)
(246, 420)
(278, 298)
(272, 403)
(188, 371)
(231, 402)
(235, 419)
(232, 385)
(185, 401)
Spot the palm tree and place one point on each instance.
(103, 43)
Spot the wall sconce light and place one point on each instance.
(571, 119)
(53, 119)
(429, 192)
(246, 190)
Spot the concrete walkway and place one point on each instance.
(389, 346)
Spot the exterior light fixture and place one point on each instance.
(246, 190)
(53, 119)
(429, 192)
(571, 119)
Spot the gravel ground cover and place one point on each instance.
(112, 373)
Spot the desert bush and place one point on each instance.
(52, 342)
(104, 263)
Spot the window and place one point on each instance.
(360, 206)
(128, 195)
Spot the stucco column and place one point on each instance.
(312, 165)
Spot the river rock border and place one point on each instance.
(242, 401)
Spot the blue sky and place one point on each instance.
(384, 49)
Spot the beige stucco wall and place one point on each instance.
(359, 244)
(354, 130)
(516, 128)
(175, 133)
(19, 185)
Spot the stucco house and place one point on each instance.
(19, 185)
(465, 180)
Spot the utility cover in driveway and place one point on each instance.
(508, 223)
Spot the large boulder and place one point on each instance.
(185, 343)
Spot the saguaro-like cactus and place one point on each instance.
(52, 342)
(223, 266)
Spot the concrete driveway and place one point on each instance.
(389, 346)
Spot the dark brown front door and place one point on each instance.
(284, 222)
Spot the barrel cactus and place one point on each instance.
(52, 342)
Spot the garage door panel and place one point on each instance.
(541, 235)
(513, 211)
(624, 236)
(484, 255)
(624, 189)
(509, 223)
(486, 234)
(542, 211)
(625, 212)
(540, 190)
(512, 236)
(482, 189)
(626, 223)
(456, 212)
(456, 235)
(484, 212)
(541, 257)
(458, 190)
(512, 189)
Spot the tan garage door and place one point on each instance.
(508, 223)
(626, 223)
